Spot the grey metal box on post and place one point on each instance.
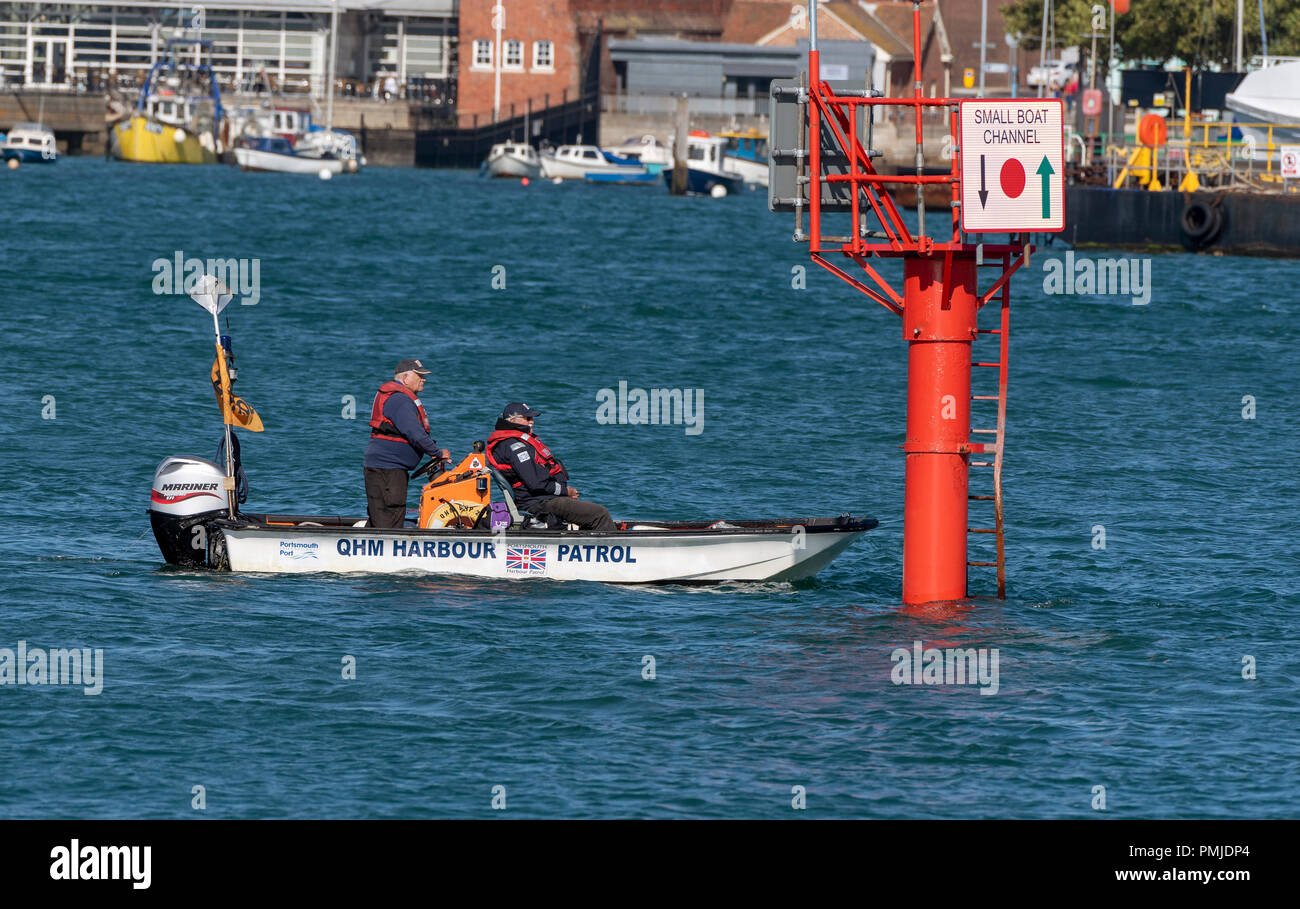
(788, 179)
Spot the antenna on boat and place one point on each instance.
(334, 45)
(213, 296)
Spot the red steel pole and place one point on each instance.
(939, 326)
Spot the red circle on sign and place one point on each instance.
(1012, 177)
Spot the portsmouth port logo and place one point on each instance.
(525, 560)
(295, 551)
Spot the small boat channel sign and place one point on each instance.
(1013, 165)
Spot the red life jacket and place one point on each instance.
(380, 426)
(541, 453)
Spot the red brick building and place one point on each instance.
(544, 46)
(537, 54)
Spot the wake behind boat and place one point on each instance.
(468, 524)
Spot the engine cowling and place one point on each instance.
(187, 495)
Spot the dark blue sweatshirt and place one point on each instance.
(387, 454)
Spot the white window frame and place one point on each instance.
(506, 65)
(479, 45)
(538, 66)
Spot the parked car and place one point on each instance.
(1051, 72)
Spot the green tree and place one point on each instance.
(1201, 32)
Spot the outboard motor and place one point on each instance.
(187, 495)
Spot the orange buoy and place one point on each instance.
(1152, 130)
(524, 181)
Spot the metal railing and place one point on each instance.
(1207, 150)
(667, 105)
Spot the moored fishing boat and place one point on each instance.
(273, 153)
(746, 154)
(178, 118)
(585, 162)
(646, 150)
(708, 172)
(513, 159)
(29, 143)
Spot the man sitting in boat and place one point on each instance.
(540, 482)
(399, 435)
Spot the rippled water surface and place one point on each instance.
(1119, 667)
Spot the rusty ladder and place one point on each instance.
(980, 445)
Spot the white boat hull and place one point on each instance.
(512, 166)
(254, 159)
(648, 556)
(752, 172)
(576, 170)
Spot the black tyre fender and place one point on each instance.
(1201, 223)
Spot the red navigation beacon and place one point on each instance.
(818, 133)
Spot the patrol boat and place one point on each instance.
(463, 529)
(468, 524)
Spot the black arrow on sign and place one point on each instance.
(984, 193)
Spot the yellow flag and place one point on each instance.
(235, 411)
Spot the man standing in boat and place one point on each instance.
(540, 482)
(399, 436)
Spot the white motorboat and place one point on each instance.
(292, 127)
(29, 142)
(1269, 96)
(646, 150)
(325, 144)
(582, 162)
(273, 153)
(513, 159)
(747, 155)
(710, 171)
(193, 527)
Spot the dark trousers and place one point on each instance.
(386, 496)
(587, 515)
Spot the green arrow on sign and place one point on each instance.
(1045, 169)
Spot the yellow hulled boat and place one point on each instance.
(179, 118)
(139, 138)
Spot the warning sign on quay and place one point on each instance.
(1012, 165)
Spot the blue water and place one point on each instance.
(1119, 667)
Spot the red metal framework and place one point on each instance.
(939, 305)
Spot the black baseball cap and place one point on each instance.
(520, 409)
(411, 366)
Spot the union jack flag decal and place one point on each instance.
(525, 560)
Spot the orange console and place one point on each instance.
(457, 497)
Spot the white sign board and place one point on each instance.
(1012, 165)
(1291, 162)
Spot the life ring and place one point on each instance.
(1201, 223)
